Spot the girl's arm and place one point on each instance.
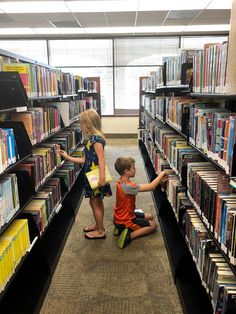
(74, 159)
(98, 147)
(163, 176)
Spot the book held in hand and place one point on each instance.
(93, 177)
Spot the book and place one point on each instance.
(93, 177)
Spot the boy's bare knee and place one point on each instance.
(153, 225)
(148, 216)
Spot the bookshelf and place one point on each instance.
(45, 184)
(166, 137)
(89, 93)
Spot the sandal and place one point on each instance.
(89, 228)
(90, 236)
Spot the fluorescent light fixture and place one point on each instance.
(220, 4)
(110, 6)
(58, 31)
(134, 5)
(206, 28)
(115, 30)
(166, 5)
(34, 7)
(16, 31)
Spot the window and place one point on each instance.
(135, 57)
(144, 51)
(127, 88)
(106, 84)
(81, 52)
(33, 49)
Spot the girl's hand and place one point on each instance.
(102, 181)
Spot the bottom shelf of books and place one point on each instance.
(197, 294)
(27, 291)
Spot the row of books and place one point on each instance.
(69, 110)
(207, 126)
(85, 85)
(177, 112)
(66, 83)
(172, 67)
(46, 202)
(178, 69)
(46, 158)
(215, 203)
(87, 102)
(216, 275)
(149, 83)
(42, 82)
(8, 148)
(176, 150)
(9, 198)
(92, 86)
(209, 68)
(14, 243)
(37, 80)
(39, 122)
(212, 129)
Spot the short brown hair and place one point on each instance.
(123, 163)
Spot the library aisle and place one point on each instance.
(95, 276)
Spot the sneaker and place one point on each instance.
(124, 238)
(115, 231)
(118, 229)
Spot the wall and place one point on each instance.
(120, 125)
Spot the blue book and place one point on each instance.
(11, 152)
(231, 140)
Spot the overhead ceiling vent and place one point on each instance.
(185, 14)
(65, 24)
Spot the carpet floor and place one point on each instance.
(96, 277)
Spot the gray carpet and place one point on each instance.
(95, 276)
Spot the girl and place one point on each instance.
(93, 156)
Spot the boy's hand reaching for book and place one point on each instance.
(164, 175)
(63, 154)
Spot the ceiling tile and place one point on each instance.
(150, 18)
(119, 19)
(6, 18)
(91, 19)
(208, 14)
(65, 24)
(185, 14)
(120, 16)
(152, 15)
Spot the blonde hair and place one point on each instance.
(92, 121)
(123, 163)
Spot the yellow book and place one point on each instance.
(12, 235)
(24, 69)
(93, 177)
(6, 250)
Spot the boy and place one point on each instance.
(128, 223)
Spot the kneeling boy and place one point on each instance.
(128, 223)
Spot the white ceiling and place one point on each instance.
(114, 17)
